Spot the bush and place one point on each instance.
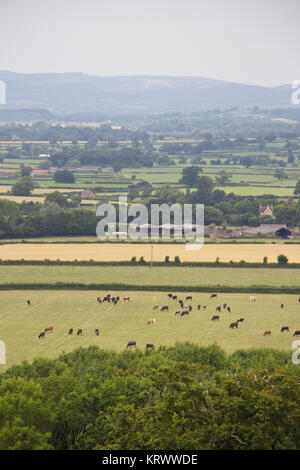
(282, 259)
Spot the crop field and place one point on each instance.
(20, 324)
(152, 276)
(124, 252)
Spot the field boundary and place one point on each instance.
(169, 264)
(159, 288)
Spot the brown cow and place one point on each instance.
(155, 306)
(267, 333)
(126, 298)
(151, 320)
(48, 328)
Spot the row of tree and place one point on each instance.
(182, 397)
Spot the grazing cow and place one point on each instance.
(267, 333)
(184, 312)
(177, 312)
(204, 307)
(240, 320)
(297, 333)
(151, 320)
(174, 297)
(282, 305)
(198, 307)
(190, 308)
(228, 309)
(284, 328)
(126, 298)
(234, 324)
(70, 331)
(218, 308)
(213, 295)
(28, 302)
(97, 332)
(48, 328)
(189, 297)
(155, 306)
(150, 346)
(252, 298)
(215, 317)
(106, 299)
(170, 295)
(131, 343)
(79, 332)
(99, 300)
(42, 335)
(224, 306)
(164, 307)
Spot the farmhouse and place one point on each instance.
(87, 193)
(266, 211)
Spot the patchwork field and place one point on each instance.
(124, 252)
(20, 324)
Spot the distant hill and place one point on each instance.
(78, 92)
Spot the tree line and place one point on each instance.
(178, 397)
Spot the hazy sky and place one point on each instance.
(248, 41)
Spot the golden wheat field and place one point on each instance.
(125, 251)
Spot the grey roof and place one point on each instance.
(264, 229)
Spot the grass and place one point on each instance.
(140, 275)
(20, 324)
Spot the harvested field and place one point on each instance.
(124, 252)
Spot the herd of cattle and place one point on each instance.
(185, 310)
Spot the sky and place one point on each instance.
(248, 41)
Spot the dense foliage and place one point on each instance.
(179, 397)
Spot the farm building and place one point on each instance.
(266, 211)
(87, 193)
(268, 230)
(39, 173)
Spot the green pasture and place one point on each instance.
(152, 276)
(20, 324)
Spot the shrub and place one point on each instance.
(282, 259)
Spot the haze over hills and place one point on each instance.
(78, 92)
